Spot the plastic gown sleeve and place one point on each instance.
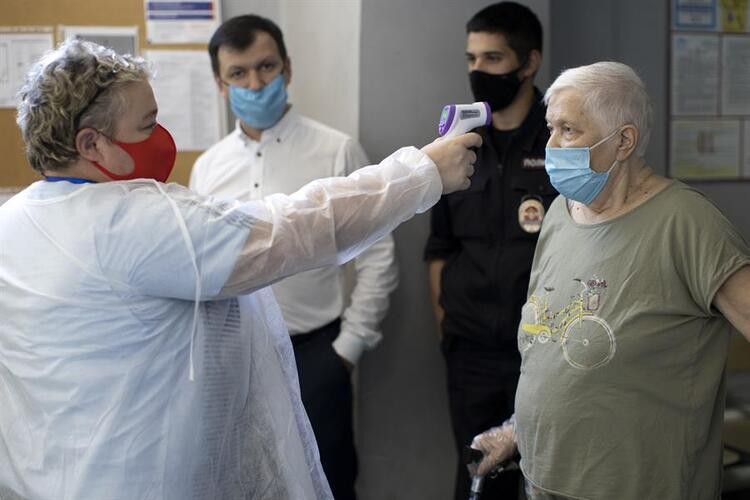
(330, 221)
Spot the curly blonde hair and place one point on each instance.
(75, 86)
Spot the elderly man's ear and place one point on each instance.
(628, 140)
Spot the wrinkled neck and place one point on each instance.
(623, 192)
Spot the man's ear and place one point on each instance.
(221, 86)
(628, 140)
(532, 64)
(287, 71)
(86, 145)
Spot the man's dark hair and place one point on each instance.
(239, 33)
(519, 25)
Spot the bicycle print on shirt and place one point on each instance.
(587, 340)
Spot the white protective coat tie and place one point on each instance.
(191, 251)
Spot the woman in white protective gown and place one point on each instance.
(141, 356)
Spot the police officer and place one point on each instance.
(482, 240)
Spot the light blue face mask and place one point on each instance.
(260, 109)
(570, 172)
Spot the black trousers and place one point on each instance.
(326, 388)
(481, 392)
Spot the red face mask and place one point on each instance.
(153, 158)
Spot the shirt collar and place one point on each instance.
(277, 133)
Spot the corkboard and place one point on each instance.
(15, 170)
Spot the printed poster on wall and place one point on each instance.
(20, 47)
(710, 89)
(695, 74)
(735, 75)
(694, 15)
(705, 149)
(189, 103)
(173, 21)
(724, 16)
(733, 15)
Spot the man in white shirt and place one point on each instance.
(251, 67)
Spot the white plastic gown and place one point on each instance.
(101, 333)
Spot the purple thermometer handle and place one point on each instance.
(489, 113)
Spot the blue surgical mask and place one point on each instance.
(260, 109)
(569, 171)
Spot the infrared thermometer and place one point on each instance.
(457, 119)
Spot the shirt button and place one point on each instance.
(256, 185)
(258, 154)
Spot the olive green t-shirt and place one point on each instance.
(621, 394)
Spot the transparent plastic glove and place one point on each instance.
(498, 445)
(454, 159)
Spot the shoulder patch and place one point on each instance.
(530, 215)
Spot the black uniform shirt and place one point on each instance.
(488, 252)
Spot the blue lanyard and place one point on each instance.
(74, 180)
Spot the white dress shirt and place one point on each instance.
(295, 151)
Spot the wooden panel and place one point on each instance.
(15, 170)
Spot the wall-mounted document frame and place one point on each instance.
(709, 84)
(20, 47)
(121, 39)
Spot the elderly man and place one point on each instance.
(129, 368)
(637, 281)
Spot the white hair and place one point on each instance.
(613, 95)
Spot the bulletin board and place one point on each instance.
(710, 90)
(15, 171)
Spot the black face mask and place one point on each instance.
(498, 90)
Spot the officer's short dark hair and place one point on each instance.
(517, 23)
(239, 33)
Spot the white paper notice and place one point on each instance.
(18, 51)
(705, 149)
(178, 21)
(687, 19)
(695, 74)
(189, 103)
(6, 193)
(735, 76)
